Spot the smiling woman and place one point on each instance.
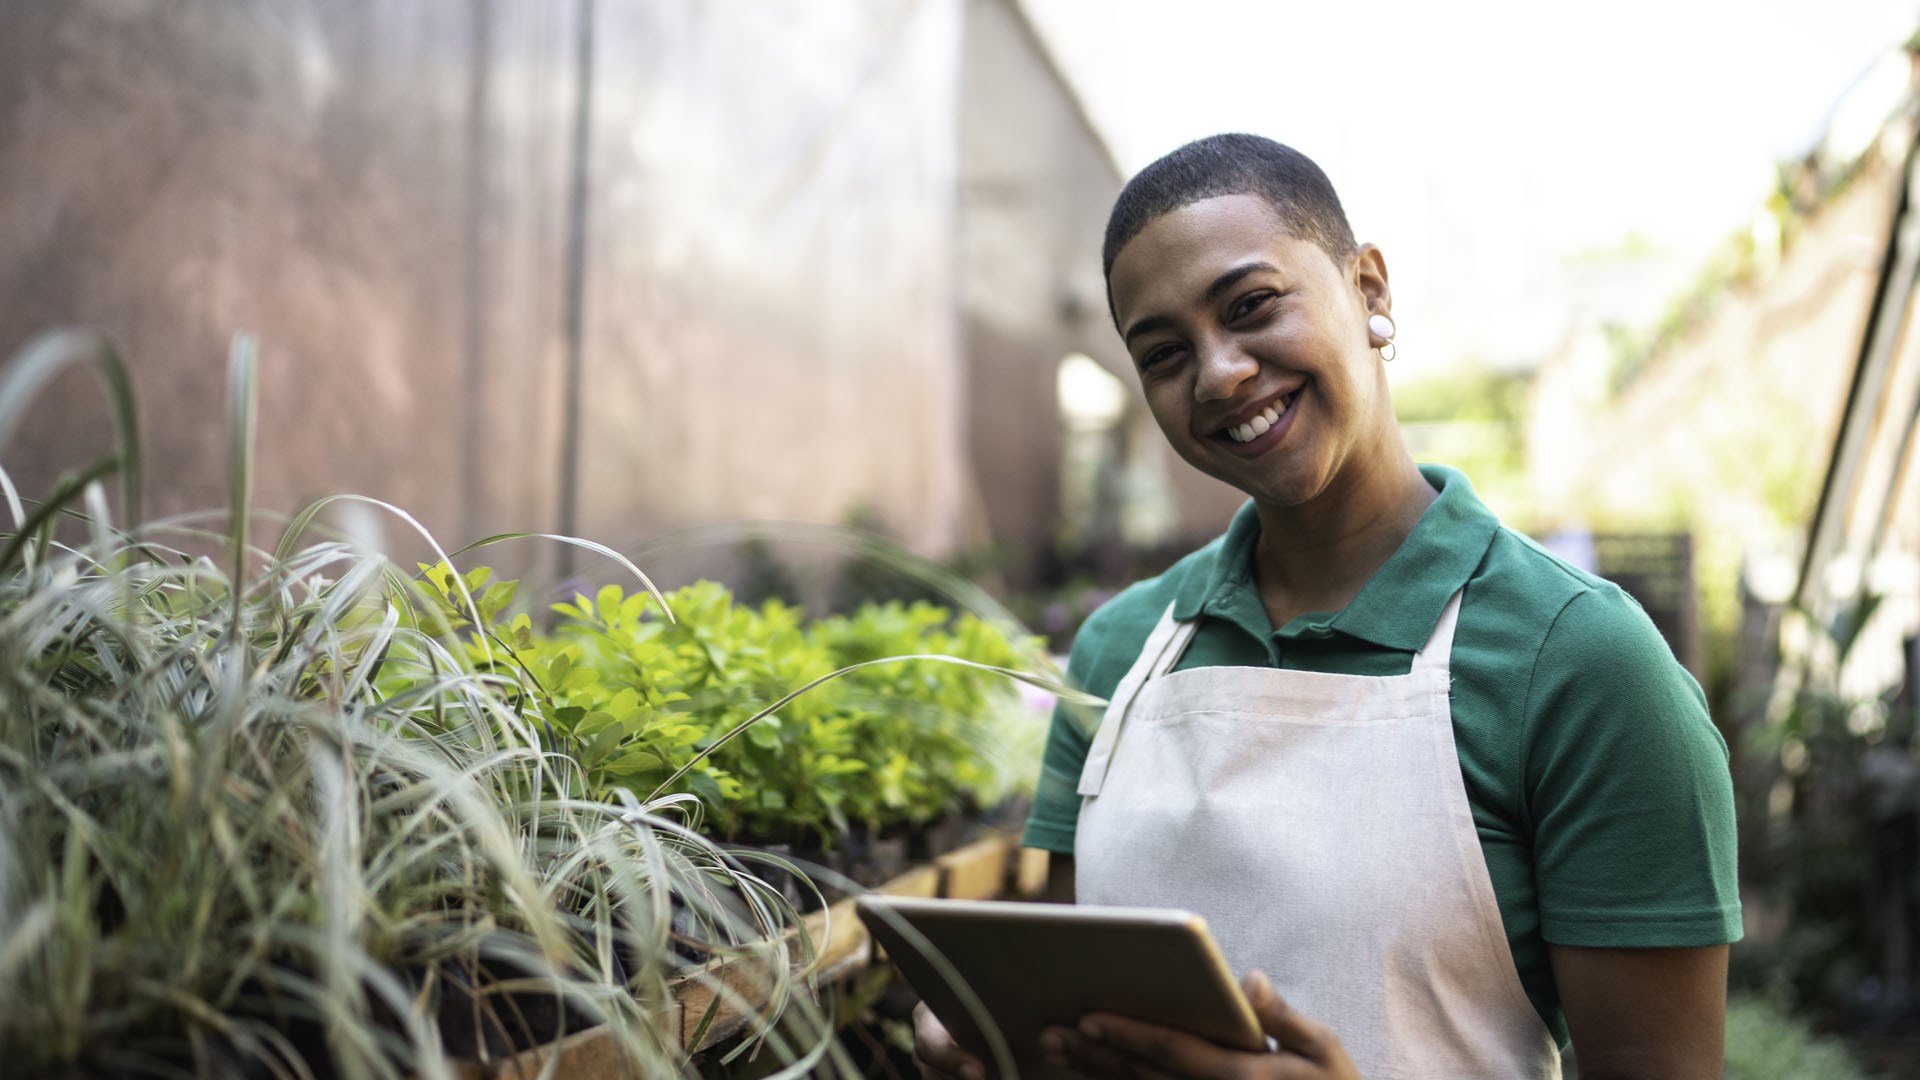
(1247, 337)
(1454, 796)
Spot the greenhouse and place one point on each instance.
(958, 538)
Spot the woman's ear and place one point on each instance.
(1370, 277)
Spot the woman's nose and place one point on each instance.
(1222, 369)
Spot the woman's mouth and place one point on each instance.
(1267, 419)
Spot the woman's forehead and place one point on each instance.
(1177, 255)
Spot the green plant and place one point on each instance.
(260, 811)
(931, 737)
(908, 711)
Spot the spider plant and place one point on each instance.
(259, 816)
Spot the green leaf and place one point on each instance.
(498, 597)
(36, 364)
(636, 761)
(598, 721)
(682, 736)
(707, 786)
(599, 746)
(633, 607)
(766, 733)
(624, 704)
(608, 602)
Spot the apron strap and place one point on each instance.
(1438, 651)
(1162, 650)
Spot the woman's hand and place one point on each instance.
(939, 1056)
(1113, 1046)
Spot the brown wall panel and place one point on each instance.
(187, 171)
(1037, 184)
(380, 192)
(770, 291)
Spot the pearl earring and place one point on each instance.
(1382, 327)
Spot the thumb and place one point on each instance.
(1295, 1033)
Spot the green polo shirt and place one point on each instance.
(1598, 783)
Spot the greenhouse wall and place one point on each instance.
(1037, 182)
(756, 290)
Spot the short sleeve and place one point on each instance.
(1628, 788)
(1056, 796)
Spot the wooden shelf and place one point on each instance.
(977, 871)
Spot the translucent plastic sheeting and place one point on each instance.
(381, 193)
(772, 330)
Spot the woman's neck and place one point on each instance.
(1317, 556)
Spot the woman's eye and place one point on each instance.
(1159, 357)
(1248, 304)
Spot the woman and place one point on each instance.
(1454, 795)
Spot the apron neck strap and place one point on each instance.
(1438, 650)
(1174, 644)
(1157, 657)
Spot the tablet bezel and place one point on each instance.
(1034, 965)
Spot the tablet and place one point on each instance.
(1032, 966)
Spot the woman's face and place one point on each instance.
(1253, 349)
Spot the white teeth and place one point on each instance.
(1260, 424)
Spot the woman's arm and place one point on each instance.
(1059, 878)
(1631, 807)
(1644, 1014)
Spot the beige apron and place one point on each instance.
(1320, 825)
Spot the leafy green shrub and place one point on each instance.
(933, 736)
(1764, 1043)
(908, 712)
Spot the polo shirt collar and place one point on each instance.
(1396, 609)
(1231, 574)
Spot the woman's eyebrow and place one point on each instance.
(1146, 326)
(1225, 281)
(1220, 284)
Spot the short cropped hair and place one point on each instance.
(1301, 197)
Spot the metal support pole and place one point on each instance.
(1885, 323)
(473, 330)
(576, 286)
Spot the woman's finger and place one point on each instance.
(1300, 1034)
(1096, 1058)
(1166, 1049)
(939, 1056)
